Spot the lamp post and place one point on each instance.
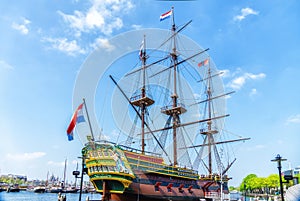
(77, 173)
(81, 179)
(245, 190)
(278, 159)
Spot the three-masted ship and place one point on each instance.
(160, 166)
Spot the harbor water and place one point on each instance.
(30, 196)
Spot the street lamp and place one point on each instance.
(245, 190)
(77, 173)
(278, 159)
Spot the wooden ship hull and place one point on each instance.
(122, 174)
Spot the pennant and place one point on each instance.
(77, 117)
(141, 50)
(203, 63)
(165, 15)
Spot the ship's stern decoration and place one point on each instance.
(107, 167)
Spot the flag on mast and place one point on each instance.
(203, 63)
(141, 50)
(77, 117)
(165, 15)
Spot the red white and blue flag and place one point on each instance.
(165, 15)
(77, 117)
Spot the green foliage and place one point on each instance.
(10, 180)
(272, 180)
(248, 182)
(251, 182)
(231, 188)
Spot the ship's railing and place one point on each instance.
(168, 107)
(212, 195)
(182, 170)
(217, 195)
(129, 148)
(143, 164)
(163, 169)
(216, 177)
(139, 151)
(157, 164)
(137, 97)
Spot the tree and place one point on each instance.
(259, 184)
(272, 180)
(248, 182)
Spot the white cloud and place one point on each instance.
(57, 164)
(225, 73)
(294, 119)
(103, 15)
(240, 81)
(25, 156)
(255, 77)
(253, 92)
(103, 43)
(22, 27)
(5, 65)
(244, 13)
(136, 26)
(63, 45)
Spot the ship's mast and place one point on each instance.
(210, 138)
(174, 96)
(176, 108)
(142, 100)
(209, 132)
(143, 90)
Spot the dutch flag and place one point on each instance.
(76, 118)
(165, 15)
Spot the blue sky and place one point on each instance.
(44, 44)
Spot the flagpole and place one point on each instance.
(87, 114)
(173, 19)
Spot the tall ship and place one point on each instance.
(174, 147)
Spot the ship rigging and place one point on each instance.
(169, 130)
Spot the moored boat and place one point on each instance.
(163, 163)
(70, 190)
(54, 189)
(13, 188)
(127, 174)
(39, 189)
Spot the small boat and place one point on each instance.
(54, 189)
(39, 189)
(70, 190)
(13, 188)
